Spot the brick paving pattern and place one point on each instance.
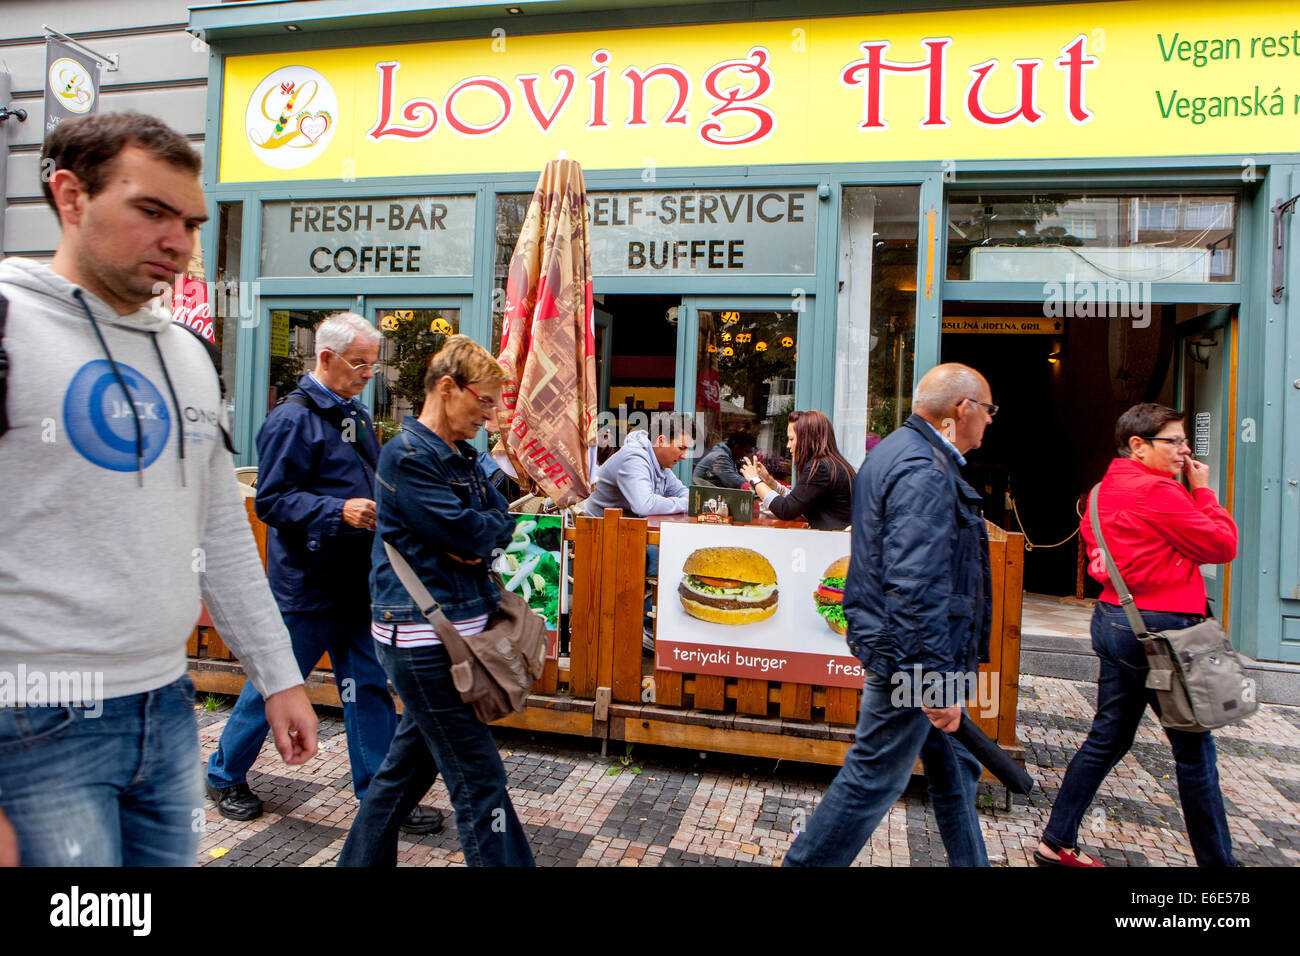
(685, 809)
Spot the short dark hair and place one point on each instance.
(1143, 421)
(740, 441)
(88, 145)
(671, 425)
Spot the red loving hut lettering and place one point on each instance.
(735, 88)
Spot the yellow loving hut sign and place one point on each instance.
(1077, 80)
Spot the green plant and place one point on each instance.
(623, 763)
(211, 702)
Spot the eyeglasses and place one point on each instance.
(374, 367)
(487, 403)
(992, 409)
(1180, 442)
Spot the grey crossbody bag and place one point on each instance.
(1197, 677)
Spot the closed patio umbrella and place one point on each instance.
(548, 342)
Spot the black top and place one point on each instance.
(823, 495)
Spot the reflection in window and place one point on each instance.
(746, 365)
(225, 302)
(411, 338)
(512, 209)
(876, 315)
(1043, 238)
(293, 349)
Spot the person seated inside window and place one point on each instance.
(823, 488)
(638, 478)
(718, 467)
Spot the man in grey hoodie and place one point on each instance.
(124, 512)
(638, 478)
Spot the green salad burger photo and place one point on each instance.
(830, 596)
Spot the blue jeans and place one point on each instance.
(369, 717)
(120, 789)
(1122, 699)
(438, 731)
(874, 775)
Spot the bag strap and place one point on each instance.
(1125, 598)
(335, 418)
(429, 607)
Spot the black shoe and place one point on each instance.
(422, 820)
(235, 803)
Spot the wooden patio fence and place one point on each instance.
(605, 688)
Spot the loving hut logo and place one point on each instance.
(291, 117)
(72, 85)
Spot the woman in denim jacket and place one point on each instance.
(437, 509)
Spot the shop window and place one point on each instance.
(411, 338)
(226, 294)
(876, 315)
(746, 363)
(1053, 238)
(293, 349)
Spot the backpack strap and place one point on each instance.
(214, 354)
(334, 416)
(4, 368)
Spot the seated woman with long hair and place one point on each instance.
(823, 488)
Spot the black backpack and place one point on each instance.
(213, 355)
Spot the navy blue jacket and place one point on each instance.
(919, 588)
(433, 500)
(718, 467)
(306, 471)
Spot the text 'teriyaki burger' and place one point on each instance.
(728, 586)
(830, 596)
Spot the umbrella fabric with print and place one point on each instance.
(548, 342)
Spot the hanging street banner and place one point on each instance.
(1075, 80)
(71, 83)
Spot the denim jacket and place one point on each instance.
(433, 500)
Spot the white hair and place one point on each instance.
(341, 329)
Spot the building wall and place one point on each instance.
(163, 71)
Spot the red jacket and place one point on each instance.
(1159, 534)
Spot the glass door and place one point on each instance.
(414, 329)
(1204, 393)
(743, 358)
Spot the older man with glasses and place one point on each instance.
(318, 452)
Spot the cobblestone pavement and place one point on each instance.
(685, 809)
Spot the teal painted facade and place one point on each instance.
(1264, 603)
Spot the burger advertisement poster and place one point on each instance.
(763, 603)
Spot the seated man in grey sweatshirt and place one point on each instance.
(638, 478)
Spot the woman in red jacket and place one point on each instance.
(1159, 534)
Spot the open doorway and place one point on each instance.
(642, 352)
(1061, 384)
